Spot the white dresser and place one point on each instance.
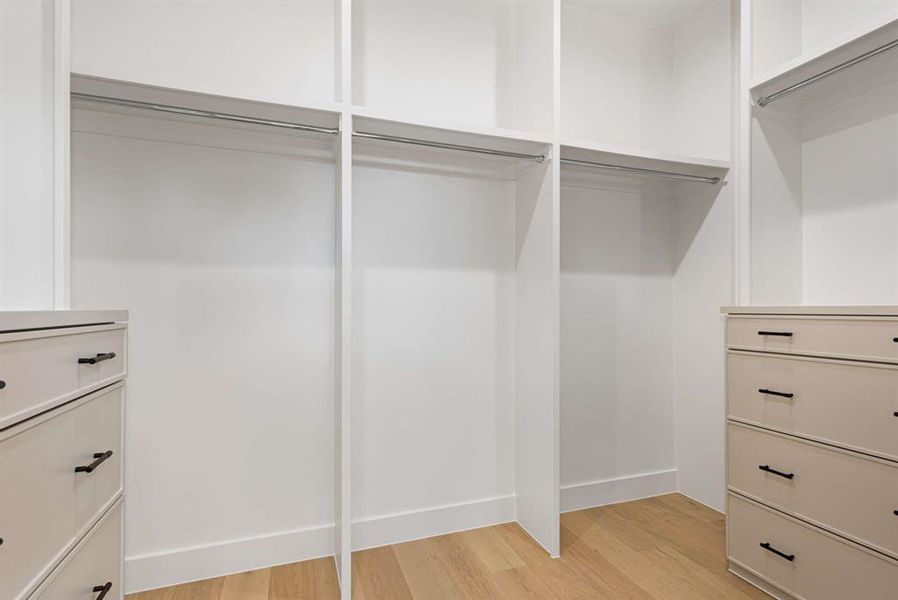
(812, 450)
(62, 377)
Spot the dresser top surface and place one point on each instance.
(23, 320)
(863, 311)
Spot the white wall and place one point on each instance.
(27, 86)
(220, 242)
(616, 79)
(702, 84)
(272, 50)
(617, 379)
(850, 194)
(455, 61)
(433, 342)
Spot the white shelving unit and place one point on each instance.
(822, 158)
(410, 336)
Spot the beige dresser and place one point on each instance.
(62, 379)
(812, 450)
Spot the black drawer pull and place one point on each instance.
(2, 384)
(894, 512)
(95, 359)
(775, 393)
(895, 339)
(766, 546)
(103, 589)
(776, 333)
(100, 457)
(775, 472)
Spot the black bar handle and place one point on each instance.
(100, 457)
(766, 546)
(776, 333)
(775, 472)
(894, 512)
(895, 339)
(95, 359)
(775, 393)
(103, 589)
(2, 384)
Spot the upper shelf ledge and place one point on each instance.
(860, 41)
(439, 132)
(628, 158)
(326, 116)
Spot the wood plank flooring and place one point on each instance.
(666, 547)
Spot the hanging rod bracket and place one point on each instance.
(207, 114)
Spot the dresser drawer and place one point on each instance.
(865, 338)
(45, 505)
(848, 493)
(849, 404)
(822, 566)
(93, 566)
(41, 369)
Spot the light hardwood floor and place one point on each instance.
(666, 547)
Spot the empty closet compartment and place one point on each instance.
(787, 32)
(647, 77)
(824, 179)
(474, 62)
(644, 269)
(451, 275)
(218, 232)
(269, 50)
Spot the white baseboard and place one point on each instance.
(162, 569)
(590, 494)
(418, 524)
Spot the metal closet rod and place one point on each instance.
(765, 100)
(416, 142)
(208, 114)
(639, 171)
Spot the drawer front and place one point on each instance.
(822, 568)
(40, 373)
(95, 564)
(45, 505)
(850, 494)
(860, 338)
(847, 404)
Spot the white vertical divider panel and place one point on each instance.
(742, 153)
(538, 264)
(536, 355)
(343, 395)
(28, 139)
(62, 73)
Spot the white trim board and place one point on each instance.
(182, 565)
(590, 494)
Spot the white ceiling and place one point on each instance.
(658, 14)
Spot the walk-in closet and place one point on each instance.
(431, 299)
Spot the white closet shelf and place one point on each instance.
(646, 161)
(439, 132)
(860, 41)
(326, 116)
